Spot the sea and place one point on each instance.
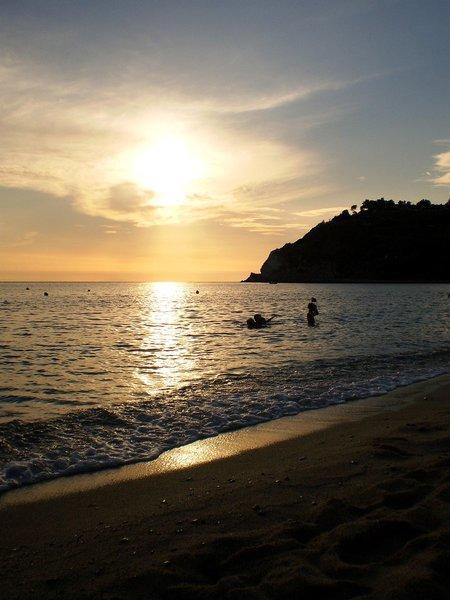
(97, 375)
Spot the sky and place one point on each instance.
(183, 140)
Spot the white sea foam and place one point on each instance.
(99, 438)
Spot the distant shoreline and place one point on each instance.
(353, 281)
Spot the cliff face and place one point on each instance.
(384, 241)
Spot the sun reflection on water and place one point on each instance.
(167, 347)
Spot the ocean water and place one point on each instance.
(123, 372)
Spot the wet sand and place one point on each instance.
(347, 502)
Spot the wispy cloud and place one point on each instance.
(321, 212)
(17, 240)
(278, 98)
(263, 225)
(270, 100)
(441, 175)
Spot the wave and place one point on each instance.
(98, 438)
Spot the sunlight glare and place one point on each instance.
(168, 168)
(171, 356)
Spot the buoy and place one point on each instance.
(27, 288)
(197, 292)
(45, 293)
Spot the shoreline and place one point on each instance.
(220, 446)
(356, 507)
(350, 281)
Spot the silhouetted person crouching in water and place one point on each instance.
(258, 322)
(312, 312)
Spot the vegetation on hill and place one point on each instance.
(382, 241)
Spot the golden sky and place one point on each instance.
(185, 141)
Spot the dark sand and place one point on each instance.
(360, 509)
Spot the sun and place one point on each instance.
(168, 167)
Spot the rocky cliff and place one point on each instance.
(383, 241)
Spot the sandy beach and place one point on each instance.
(350, 501)
(224, 300)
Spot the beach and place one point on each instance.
(224, 356)
(349, 501)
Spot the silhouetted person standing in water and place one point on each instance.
(312, 312)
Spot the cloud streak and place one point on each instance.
(279, 99)
(442, 165)
(321, 212)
